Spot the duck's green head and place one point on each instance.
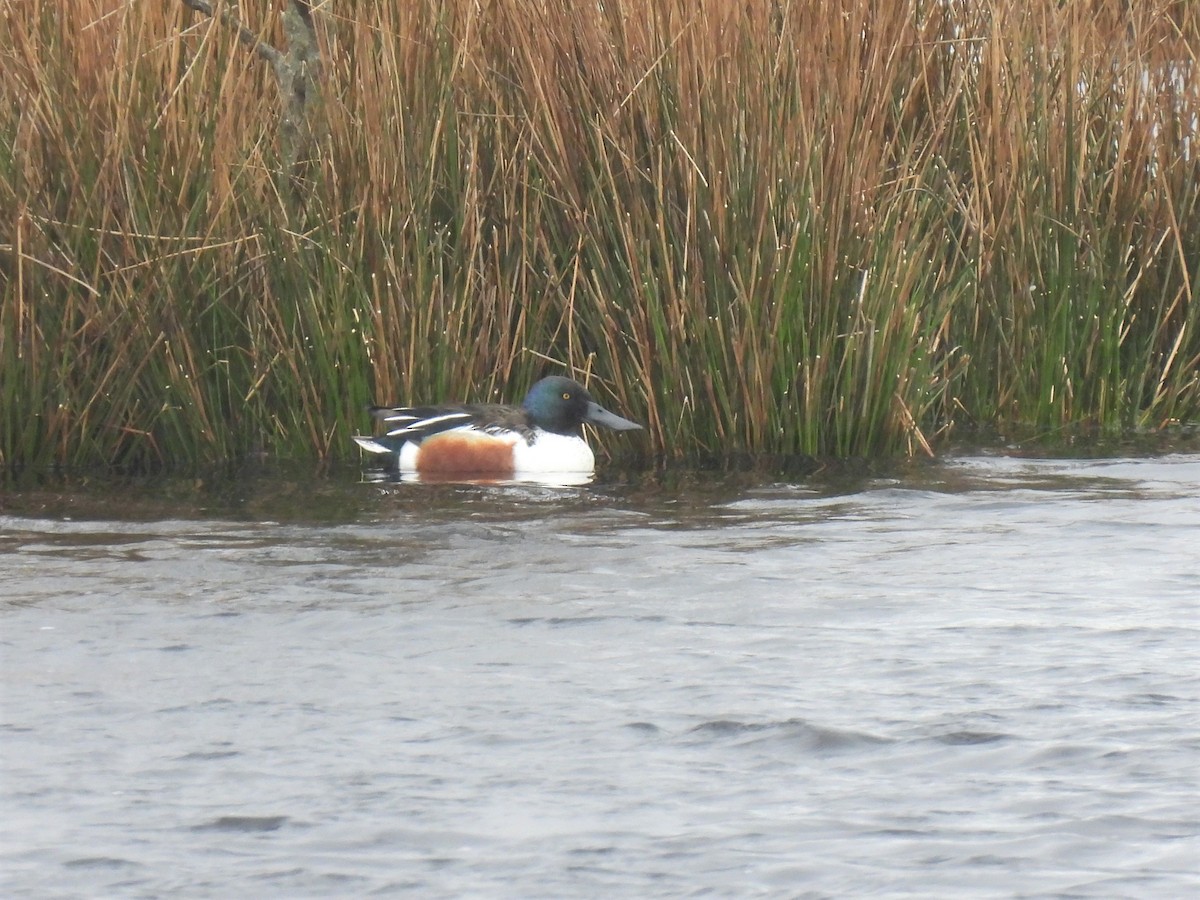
(561, 405)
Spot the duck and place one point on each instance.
(541, 437)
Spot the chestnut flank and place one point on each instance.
(459, 453)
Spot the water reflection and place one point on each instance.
(546, 479)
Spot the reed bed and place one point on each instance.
(772, 227)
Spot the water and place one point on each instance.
(979, 679)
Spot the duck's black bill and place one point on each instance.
(598, 415)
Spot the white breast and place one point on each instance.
(553, 453)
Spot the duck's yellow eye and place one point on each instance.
(566, 395)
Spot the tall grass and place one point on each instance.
(787, 227)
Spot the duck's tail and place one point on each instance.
(378, 445)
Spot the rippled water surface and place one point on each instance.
(980, 679)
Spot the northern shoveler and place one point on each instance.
(543, 436)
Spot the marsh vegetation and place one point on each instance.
(791, 227)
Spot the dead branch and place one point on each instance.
(298, 71)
